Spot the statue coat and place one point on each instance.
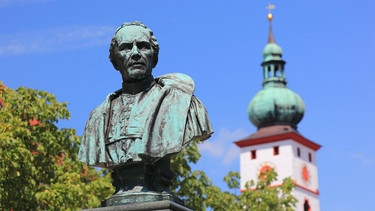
(163, 119)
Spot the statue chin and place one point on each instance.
(137, 74)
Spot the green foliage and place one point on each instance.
(189, 186)
(232, 180)
(39, 169)
(200, 193)
(263, 196)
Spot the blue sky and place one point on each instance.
(62, 47)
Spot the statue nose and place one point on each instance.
(134, 49)
(135, 52)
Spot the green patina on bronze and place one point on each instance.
(275, 104)
(137, 128)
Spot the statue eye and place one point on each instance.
(126, 46)
(143, 46)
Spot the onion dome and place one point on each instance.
(275, 104)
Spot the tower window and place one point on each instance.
(306, 205)
(276, 150)
(253, 154)
(310, 157)
(276, 71)
(270, 74)
(298, 152)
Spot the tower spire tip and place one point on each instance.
(270, 7)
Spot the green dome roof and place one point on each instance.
(272, 51)
(276, 105)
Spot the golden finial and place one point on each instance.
(269, 16)
(270, 7)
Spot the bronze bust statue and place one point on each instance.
(138, 127)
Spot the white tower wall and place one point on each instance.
(300, 166)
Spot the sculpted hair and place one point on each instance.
(113, 48)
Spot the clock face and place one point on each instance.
(305, 174)
(263, 168)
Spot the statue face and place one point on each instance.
(135, 54)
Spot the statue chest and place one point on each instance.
(125, 119)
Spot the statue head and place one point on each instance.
(134, 51)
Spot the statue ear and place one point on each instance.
(155, 62)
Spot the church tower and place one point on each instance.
(276, 111)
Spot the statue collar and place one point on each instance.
(138, 86)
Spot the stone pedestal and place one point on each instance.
(129, 197)
(142, 177)
(143, 186)
(164, 205)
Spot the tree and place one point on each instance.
(200, 193)
(191, 186)
(262, 196)
(39, 169)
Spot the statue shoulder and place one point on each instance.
(177, 80)
(103, 108)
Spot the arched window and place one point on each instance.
(306, 205)
(270, 75)
(276, 74)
